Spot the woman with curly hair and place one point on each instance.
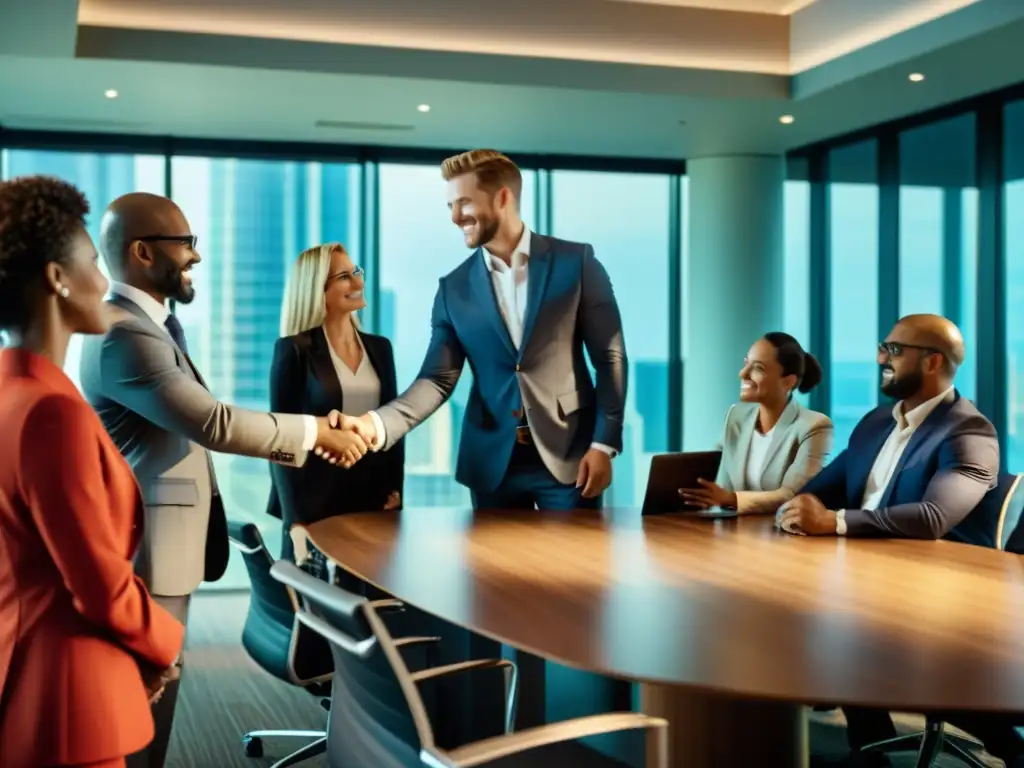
(83, 647)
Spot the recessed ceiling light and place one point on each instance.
(110, 93)
(915, 77)
(786, 119)
(423, 107)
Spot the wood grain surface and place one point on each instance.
(727, 606)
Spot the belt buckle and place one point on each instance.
(523, 436)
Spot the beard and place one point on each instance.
(907, 385)
(487, 230)
(169, 281)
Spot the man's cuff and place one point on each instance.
(382, 435)
(309, 440)
(841, 526)
(606, 448)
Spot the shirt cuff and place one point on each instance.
(606, 448)
(309, 441)
(382, 436)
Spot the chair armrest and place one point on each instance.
(388, 604)
(489, 750)
(403, 642)
(511, 680)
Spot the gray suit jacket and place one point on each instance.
(570, 307)
(161, 416)
(801, 441)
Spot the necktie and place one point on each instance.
(174, 328)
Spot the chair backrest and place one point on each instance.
(376, 709)
(994, 520)
(273, 636)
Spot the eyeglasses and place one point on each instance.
(895, 348)
(189, 240)
(356, 272)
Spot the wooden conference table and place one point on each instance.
(729, 626)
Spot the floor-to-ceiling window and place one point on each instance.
(796, 229)
(419, 244)
(853, 293)
(102, 178)
(938, 236)
(626, 218)
(1013, 280)
(253, 218)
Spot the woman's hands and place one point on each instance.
(708, 495)
(156, 679)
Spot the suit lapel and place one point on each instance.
(738, 470)
(375, 351)
(483, 288)
(781, 429)
(538, 272)
(326, 373)
(130, 306)
(921, 434)
(867, 458)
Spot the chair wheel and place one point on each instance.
(253, 746)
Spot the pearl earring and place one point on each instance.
(63, 291)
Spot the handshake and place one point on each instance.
(344, 439)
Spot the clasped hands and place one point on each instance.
(804, 514)
(344, 439)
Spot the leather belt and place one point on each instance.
(524, 436)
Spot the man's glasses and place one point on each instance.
(895, 348)
(356, 272)
(187, 240)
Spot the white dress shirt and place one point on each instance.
(158, 312)
(892, 450)
(756, 456)
(510, 283)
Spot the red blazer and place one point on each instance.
(74, 618)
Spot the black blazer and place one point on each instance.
(303, 380)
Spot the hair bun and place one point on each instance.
(812, 373)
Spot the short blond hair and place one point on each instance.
(303, 307)
(493, 170)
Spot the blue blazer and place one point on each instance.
(950, 463)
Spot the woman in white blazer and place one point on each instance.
(771, 444)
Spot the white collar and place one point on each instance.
(916, 416)
(156, 311)
(520, 254)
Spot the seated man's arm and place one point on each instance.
(440, 372)
(140, 373)
(968, 465)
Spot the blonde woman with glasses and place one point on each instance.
(323, 361)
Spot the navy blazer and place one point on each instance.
(303, 380)
(950, 463)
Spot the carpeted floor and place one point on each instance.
(224, 694)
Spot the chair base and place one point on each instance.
(252, 742)
(930, 743)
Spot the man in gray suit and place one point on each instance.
(152, 400)
(521, 309)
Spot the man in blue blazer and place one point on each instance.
(916, 470)
(538, 431)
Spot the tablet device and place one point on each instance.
(672, 471)
(715, 513)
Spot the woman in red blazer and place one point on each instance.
(82, 645)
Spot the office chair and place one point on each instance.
(378, 717)
(992, 523)
(275, 639)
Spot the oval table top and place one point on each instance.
(733, 606)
